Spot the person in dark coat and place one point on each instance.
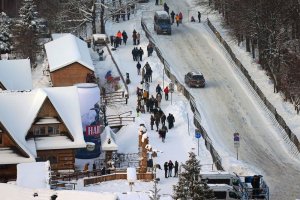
(103, 170)
(199, 16)
(176, 169)
(139, 66)
(158, 89)
(166, 169)
(170, 166)
(134, 36)
(133, 53)
(156, 2)
(163, 133)
(171, 120)
(163, 119)
(141, 53)
(173, 16)
(166, 7)
(151, 104)
(149, 49)
(152, 121)
(125, 37)
(157, 120)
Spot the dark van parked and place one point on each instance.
(162, 22)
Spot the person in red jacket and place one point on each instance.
(166, 91)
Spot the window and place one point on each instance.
(46, 130)
(53, 130)
(220, 194)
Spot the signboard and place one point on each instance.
(171, 87)
(236, 140)
(197, 135)
(92, 130)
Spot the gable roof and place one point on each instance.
(18, 111)
(66, 50)
(16, 74)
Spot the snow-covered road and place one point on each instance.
(228, 105)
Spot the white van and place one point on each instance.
(221, 177)
(225, 192)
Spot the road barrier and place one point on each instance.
(181, 88)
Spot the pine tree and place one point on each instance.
(29, 15)
(155, 192)
(190, 185)
(5, 39)
(26, 32)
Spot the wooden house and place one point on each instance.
(15, 75)
(39, 125)
(69, 60)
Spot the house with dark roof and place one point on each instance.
(39, 125)
(69, 60)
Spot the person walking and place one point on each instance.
(177, 19)
(166, 169)
(119, 36)
(170, 166)
(156, 2)
(125, 37)
(138, 66)
(158, 98)
(138, 38)
(163, 119)
(180, 17)
(158, 89)
(141, 53)
(166, 91)
(157, 121)
(149, 49)
(134, 36)
(172, 16)
(176, 169)
(199, 16)
(164, 131)
(134, 54)
(152, 121)
(170, 120)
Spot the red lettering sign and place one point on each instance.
(92, 130)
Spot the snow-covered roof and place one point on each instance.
(18, 111)
(108, 138)
(162, 14)
(99, 37)
(55, 36)
(66, 50)
(16, 74)
(37, 180)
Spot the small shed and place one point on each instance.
(99, 40)
(108, 143)
(69, 60)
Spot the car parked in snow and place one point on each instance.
(194, 79)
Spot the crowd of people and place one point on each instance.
(169, 166)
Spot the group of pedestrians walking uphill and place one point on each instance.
(169, 166)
